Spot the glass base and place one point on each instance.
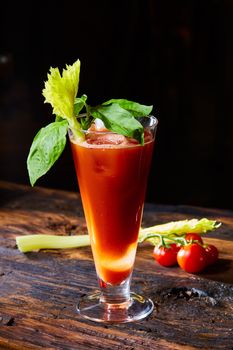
(93, 308)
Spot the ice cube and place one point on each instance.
(107, 138)
(99, 125)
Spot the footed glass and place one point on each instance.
(112, 173)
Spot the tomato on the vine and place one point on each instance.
(191, 237)
(192, 258)
(211, 254)
(166, 256)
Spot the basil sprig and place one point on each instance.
(119, 120)
(136, 109)
(46, 148)
(118, 115)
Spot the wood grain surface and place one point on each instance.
(39, 290)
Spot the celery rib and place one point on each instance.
(36, 242)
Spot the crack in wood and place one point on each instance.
(6, 320)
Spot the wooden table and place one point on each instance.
(38, 290)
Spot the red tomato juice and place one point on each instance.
(112, 182)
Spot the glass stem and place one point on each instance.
(115, 294)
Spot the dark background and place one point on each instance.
(176, 55)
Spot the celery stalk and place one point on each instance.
(177, 228)
(36, 242)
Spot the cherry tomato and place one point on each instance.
(211, 254)
(192, 258)
(166, 256)
(191, 237)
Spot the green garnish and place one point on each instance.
(119, 120)
(30, 243)
(46, 148)
(172, 229)
(177, 229)
(134, 108)
(60, 91)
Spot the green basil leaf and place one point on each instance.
(119, 120)
(58, 118)
(46, 148)
(79, 103)
(136, 109)
(85, 122)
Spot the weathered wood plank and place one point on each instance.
(38, 291)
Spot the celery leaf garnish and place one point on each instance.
(60, 91)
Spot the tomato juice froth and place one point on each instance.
(112, 172)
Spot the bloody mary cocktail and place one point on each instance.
(112, 173)
(112, 166)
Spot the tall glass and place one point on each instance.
(112, 174)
